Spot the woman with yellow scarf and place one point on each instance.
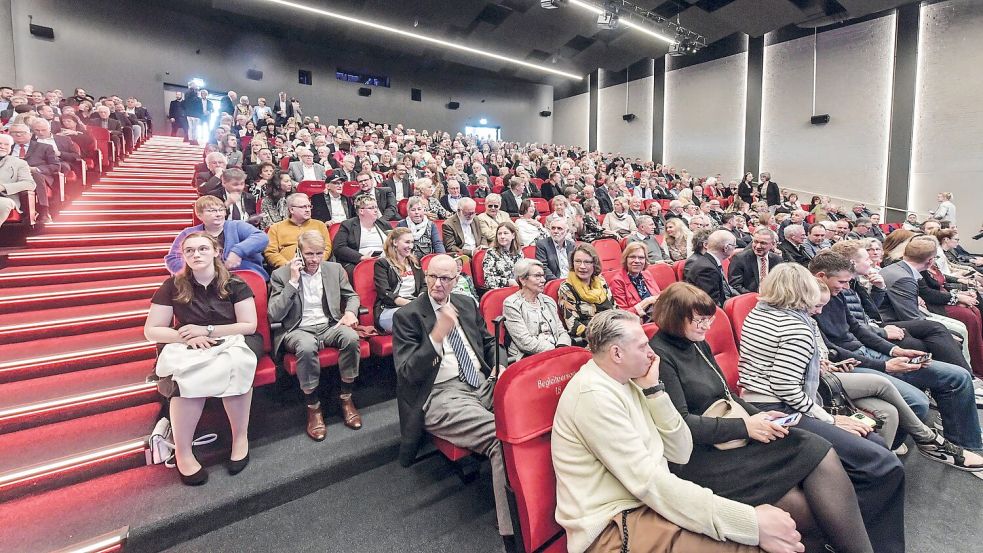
(584, 294)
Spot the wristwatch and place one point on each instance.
(652, 390)
(210, 329)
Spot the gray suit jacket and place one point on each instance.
(15, 177)
(901, 303)
(286, 305)
(296, 170)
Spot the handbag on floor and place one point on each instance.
(160, 444)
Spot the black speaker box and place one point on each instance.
(416, 95)
(628, 117)
(254, 75)
(819, 119)
(364, 91)
(42, 32)
(545, 113)
(453, 105)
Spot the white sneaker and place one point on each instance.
(943, 451)
(901, 450)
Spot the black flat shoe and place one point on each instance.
(195, 479)
(235, 467)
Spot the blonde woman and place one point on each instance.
(678, 242)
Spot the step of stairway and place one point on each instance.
(103, 239)
(62, 453)
(31, 297)
(36, 323)
(188, 195)
(138, 225)
(143, 185)
(79, 272)
(61, 355)
(40, 401)
(55, 256)
(85, 204)
(121, 215)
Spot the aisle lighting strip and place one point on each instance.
(621, 21)
(423, 38)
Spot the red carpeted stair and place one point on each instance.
(74, 401)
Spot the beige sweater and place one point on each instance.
(610, 447)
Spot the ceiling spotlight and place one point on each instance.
(551, 4)
(483, 121)
(684, 47)
(607, 20)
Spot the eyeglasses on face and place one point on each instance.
(215, 210)
(704, 322)
(304, 206)
(443, 279)
(199, 249)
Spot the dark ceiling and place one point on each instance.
(566, 38)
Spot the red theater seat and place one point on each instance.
(311, 187)
(679, 267)
(525, 401)
(333, 230)
(401, 207)
(529, 252)
(737, 309)
(265, 368)
(552, 289)
(720, 338)
(542, 206)
(478, 268)
(609, 251)
(364, 285)
(491, 307)
(663, 273)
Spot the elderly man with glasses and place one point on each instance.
(15, 177)
(306, 169)
(283, 235)
(493, 215)
(383, 196)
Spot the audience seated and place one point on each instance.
(43, 162)
(361, 237)
(240, 204)
(274, 200)
(15, 177)
(400, 183)
(435, 210)
(446, 371)
(398, 277)
(751, 266)
(529, 227)
(426, 237)
(531, 318)
(750, 459)
(332, 206)
(208, 181)
(493, 216)
(283, 235)
(210, 350)
(792, 245)
(614, 434)
(584, 293)
(645, 231)
(634, 288)
(554, 252)
(501, 257)
(779, 370)
(461, 233)
(306, 169)
(241, 244)
(678, 240)
(705, 269)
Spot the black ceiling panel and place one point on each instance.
(711, 6)
(672, 8)
(493, 14)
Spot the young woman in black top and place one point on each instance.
(212, 308)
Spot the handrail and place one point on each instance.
(845, 202)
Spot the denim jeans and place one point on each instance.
(952, 388)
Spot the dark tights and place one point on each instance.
(827, 502)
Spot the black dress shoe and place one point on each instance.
(235, 467)
(195, 479)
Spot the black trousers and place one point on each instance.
(933, 337)
(877, 476)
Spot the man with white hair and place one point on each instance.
(792, 247)
(42, 160)
(306, 169)
(209, 182)
(705, 270)
(65, 148)
(462, 234)
(15, 177)
(101, 118)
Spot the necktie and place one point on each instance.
(23, 151)
(236, 214)
(466, 369)
(762, 268)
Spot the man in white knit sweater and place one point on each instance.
(614, 432)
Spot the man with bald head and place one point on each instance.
(446, 371)
(65, 148)
(705, 270)
(15, 177)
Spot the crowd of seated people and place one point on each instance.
(303, 204)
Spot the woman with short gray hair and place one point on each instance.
(531, 317)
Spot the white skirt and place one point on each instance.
(223, 370)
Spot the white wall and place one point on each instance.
(948, 133)
(571, 120)
(614, 134)
(846, 158)
(129, 48)
(705, 107)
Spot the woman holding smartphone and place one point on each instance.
(792, 469)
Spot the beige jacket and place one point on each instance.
(15, 177)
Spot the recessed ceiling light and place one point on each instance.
(423, 38)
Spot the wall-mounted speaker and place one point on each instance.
(254, 75)
(819, 119)
(42, 32)
(545, 113)
(365, 91)
(453, 105)
(416, 95)
(305, 77)
(628, 117)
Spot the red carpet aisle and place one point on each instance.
(73, 360)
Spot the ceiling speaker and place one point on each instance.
(416, 95)
(453, 105)
(364, 91)
(42, 32)
(545, 113)
(254, 75)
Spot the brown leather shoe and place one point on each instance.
(316, 428)
(349, 414)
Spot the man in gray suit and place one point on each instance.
(306, 169)
(645, 233)
(15, 177)
(317, 307)
(554, 252)
(901, 280)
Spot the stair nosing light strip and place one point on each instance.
(55, 272)
(62, 322)
(73, 293)
(119, 348)
(47, 406)
(35, 254)
(70, 462)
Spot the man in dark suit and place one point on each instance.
(296, 288)
(347, 172)
(462, 233)
(66, 149)
(603, 197)
(100, 118)
(901, 281)
(209, 182)
(751, 266)
(283, 109)
(178, 117)
(241, 205)
(228, 103)
(41, 158)
(706, 271)
(792, 247)
(454, 195)
(554, 252)
(383, 196)
(331, 207)
(445, 376)
(198, 109)
(512, 196)
(401, 184)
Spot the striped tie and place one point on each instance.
(466, 369)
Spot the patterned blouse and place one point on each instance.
(435, 207)
(592, 229)
(578, 312)
(273, 212)
(498, 267)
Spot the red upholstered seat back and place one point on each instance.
(491, 305)
(609, 251)
(679, 267)
(552, 289)
(258, 286)
(737, 309)
(478, 268)
(720, 338)
(311, 187)
(525, 400)
(364, 285)
(542, 206)
(663, 273)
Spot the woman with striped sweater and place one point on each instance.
(779, 370)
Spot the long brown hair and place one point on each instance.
(389, 248)
(182, 280)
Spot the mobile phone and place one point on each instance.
(864, 419)
(215, 342)
(921, 359)
(297, 254)
(788, 420)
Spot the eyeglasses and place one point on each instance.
(704, 322)
(215, 210)
(442, 279)
(199, 249)
(584, 262)
(306, 206)
(492, 206)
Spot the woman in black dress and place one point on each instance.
(213, 309)
(794, 470)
